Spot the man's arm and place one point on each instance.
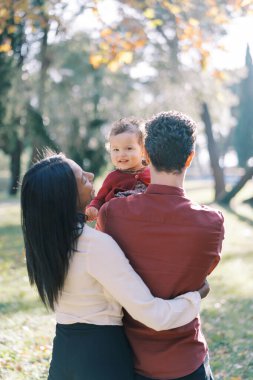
(219, 248)
(109, 266)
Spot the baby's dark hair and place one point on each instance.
(131, 125)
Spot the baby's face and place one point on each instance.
(126, 152)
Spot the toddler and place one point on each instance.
(132, 176)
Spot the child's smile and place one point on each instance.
(126, 152)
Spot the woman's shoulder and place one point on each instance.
(90, 234)
(95, 243)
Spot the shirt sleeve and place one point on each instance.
(145, 176)
(101, 219)
(99, 199)
(109, 266)
(221, 238)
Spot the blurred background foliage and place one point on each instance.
(68, 69)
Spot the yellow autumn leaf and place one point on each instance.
(126, 45)
(198, 45)
(193, 22)
(113, 66)
(149, 13)
(174, 9)
(33, 28)
(104, 45)
(236, 378)
(187, 33)
(5, 48)
(17, 19)
(220, 74)
(183, 37)
(105, 32)
(204, 57)
(203, 63)
(212, 12)
(245, 3)
(4, 12)
(139, 43)
(156, 22)
(125, 57)
(96, 60)
(94, 10)
(11, 29)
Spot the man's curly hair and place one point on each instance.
(169, 140)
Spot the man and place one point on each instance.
(172, 243)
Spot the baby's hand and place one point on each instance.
(204, 290)
(91, 213)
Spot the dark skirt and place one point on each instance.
(90, 352)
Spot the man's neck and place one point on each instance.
(168, 179)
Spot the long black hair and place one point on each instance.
(50, 224)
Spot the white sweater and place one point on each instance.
(100, 281)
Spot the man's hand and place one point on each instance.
(204, 290)
(91, 213)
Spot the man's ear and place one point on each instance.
(189, 159)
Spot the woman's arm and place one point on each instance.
(109, 266)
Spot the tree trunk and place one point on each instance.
(15, 163)
(37, 141)
(226, 198)
(39, 133)
(213, 153)
(173, 45)
(44, 62)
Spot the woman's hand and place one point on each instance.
(204, 290)
(91, 213)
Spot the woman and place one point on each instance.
(83, 276)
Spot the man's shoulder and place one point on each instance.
(141, 207)
(124, 205)
(207, 213)
(206, 208)
(117, 202)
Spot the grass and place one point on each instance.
(227, 313)
(27, 329)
